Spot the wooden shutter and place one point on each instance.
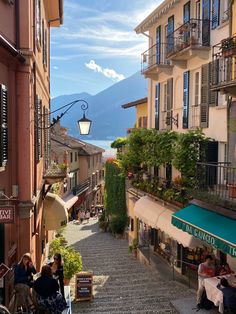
(45, 59)
(185, 99)
(145, 122)
(206, 22)
(157, 107)
(204, 110)
(170, 34)
(38, 128)
(139, 122)
(3, 125)
(196, 96)
(158, 45)
(215, 13)
(213, 76)
(46, 140)
(169, 103)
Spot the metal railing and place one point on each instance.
(224, 63)
(81, 187)
(156, 55)
(216, 184)
(195, 33)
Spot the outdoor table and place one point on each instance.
(213, 293)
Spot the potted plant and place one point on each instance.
(72, 263)
(228, 47)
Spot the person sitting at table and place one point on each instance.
(225, 270)
(229, 296)
(205, 270)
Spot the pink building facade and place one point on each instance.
(24, 143)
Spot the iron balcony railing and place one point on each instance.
(224, 64)
(156, 55)
(216, 184)
(195, 33)
(81, 187)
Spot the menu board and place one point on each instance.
(84, 286)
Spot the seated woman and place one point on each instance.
(47, 292)
(225, 270)
(23, 280)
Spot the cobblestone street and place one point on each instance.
(121, 283)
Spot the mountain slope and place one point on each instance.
(109, 119)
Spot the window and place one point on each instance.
(224, 11)
(45, 45)
(145, 122)
(185, 99)
(215, 14)
(170, 34)
(157, 106)
(196, 91)
(75, 156)
(158, 45)
(198, 10)
(47, 141)
(38, 31)
(3, 125)
(71, 157)
(139, 122)
(165, 97)
(204, 96)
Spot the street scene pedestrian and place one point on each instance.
(57, 271)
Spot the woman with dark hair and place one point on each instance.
(23, 280)
(57, 271)
(47, 292)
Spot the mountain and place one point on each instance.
(109, 120)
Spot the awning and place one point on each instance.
(55, 212)
(157, 216)
(70, 200)
(212, 228)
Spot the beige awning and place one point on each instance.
(155, 215)
(70, 200)
(147, 211)
(55, 212)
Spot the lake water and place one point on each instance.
(109, 152)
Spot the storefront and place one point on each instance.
(157, 232)
(215, 231)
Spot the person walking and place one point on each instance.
(23, 281)
(58, 271)
(205, 270)
(82, 216)
(47, 292)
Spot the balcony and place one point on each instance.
(216, 184)
(154, 62)
(224, 67)
(81, 187)
(192, 39)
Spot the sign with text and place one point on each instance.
(3, 270)
(7, 214)
(84, 286)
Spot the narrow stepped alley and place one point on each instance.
(121, 283)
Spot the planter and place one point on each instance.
(232, 190)
(229, 52)
(66, 282)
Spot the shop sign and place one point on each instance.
(3, 270)
(84, 286)
(206, 237)
(7, 214)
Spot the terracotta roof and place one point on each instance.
(135, 103)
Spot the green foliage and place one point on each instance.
(119, 142)
(72, 260)
(190, 148)
(133, 246)
(118, 223)
(115, 198)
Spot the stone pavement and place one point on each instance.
(121, 283)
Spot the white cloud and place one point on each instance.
(110, 73)
(55, 67)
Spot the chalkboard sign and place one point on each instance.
(84, 286)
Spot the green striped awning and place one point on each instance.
(210, 227)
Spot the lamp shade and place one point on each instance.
(84, 125)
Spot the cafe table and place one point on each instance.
(213, 293)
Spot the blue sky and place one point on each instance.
(97, 46)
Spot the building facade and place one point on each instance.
(24, 145)
(190, 86)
